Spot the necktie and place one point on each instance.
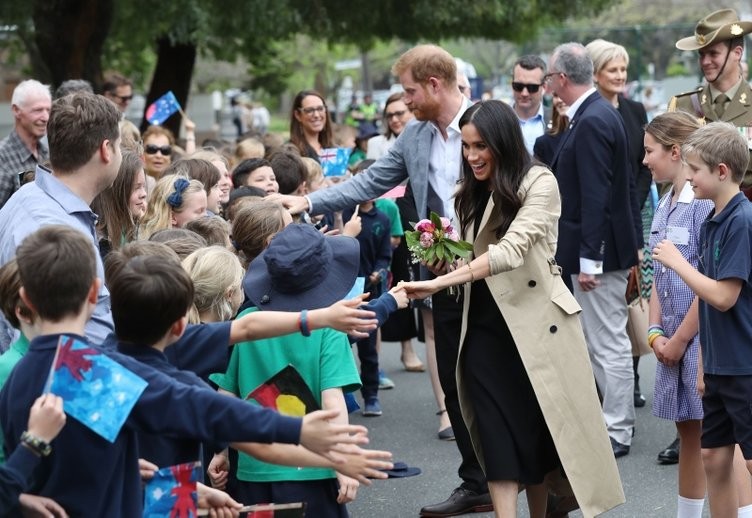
(720, 105)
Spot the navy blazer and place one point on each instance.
(635, 120)
(599, 215)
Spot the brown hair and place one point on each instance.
(196, 169)
(116, 223)
(720, 143)
(181, 240)
(297, 135)
(78, 125)
(10, 300)
(158, 130)
(425, 61)
(672, 128)
(252, 227)
(116, 259)
(57, 266)
(214, 229)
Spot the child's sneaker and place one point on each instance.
(372, 408)
(384, 382)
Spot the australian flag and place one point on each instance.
(96, 390)
(334, 160)
(161, 109)
(172, 492)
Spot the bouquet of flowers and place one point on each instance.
(435, 238)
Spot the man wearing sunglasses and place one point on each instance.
(528, 90)
(118, 89)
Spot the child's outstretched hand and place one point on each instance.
(362, 464)
(400, 295)
(34, 505)
(346, 316)
(218, 503)
(46, 417)
(321, 436)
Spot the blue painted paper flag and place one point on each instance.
(161, 109)
(96, 390)
(334, 160)
(172, 492)
(357, 289)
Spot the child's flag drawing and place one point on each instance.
(334, 161)
(161, 109)
(296, 510)
(172, 492)
(287, 393)
(96, 390)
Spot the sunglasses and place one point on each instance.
(151, 149)
(533, 88)
(398, 114)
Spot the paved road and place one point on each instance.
(408, 429)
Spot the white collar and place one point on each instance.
(572, 111)
(687, 194)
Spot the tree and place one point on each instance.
(65, 37)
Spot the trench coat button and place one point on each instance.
(531, 284)
(553, 329)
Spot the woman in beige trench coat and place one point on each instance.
(509, 208)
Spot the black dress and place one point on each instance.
(516, 442)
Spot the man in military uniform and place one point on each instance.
(726, 96)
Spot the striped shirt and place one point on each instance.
(16, 158)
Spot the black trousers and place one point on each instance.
(447, 323)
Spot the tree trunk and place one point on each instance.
(174, 70)
(69, 36)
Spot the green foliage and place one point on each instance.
(676, 70)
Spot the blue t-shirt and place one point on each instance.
(726, 253)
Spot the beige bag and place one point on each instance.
(637, 315)
(637, 327)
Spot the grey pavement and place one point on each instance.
(408, 429)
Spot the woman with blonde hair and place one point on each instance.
(217, 277)
(176, 200)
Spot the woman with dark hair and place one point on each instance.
(396, 115)
(524, 379)
(310, 124)
(121, 206)
(546, 145)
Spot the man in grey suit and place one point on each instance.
(428, 153)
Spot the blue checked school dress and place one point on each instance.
(676, 397)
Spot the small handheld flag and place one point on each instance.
(161, 109)
(287, 393)
(334, 161)
(97, 391)
(172, 492)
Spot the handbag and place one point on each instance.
(638, 315)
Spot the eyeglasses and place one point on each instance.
(398, 114)
(531, 88)
(313, 109)
(547, 77)
(151, 149)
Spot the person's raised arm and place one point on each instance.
(344, 316)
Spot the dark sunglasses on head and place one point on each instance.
(518, 87)
(151, 149)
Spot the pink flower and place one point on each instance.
(446, 224)
(425, 225)
(426, 239)
(452, 235)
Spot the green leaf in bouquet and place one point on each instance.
(412, 239)
(455, 249)
(430, 255)
(440, 252)
(436, 220)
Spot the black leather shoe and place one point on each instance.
(671, 454)
(461, 501)
(620, 449)
(639, 400)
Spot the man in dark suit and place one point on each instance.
(598, 230)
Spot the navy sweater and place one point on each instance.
(91, 477)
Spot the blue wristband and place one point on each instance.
(303, 323)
